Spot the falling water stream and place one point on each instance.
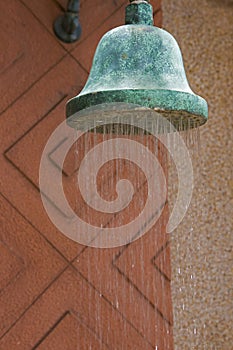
(150, 281)
(184, 253)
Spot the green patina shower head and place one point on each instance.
(138, 64)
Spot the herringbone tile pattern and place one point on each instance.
(54, 293)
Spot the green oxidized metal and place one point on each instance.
(139, 13)
(141, 64)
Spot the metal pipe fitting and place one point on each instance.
(67, 27)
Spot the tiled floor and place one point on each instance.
(54, 293)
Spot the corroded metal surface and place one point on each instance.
(141, 64)
(139, 12)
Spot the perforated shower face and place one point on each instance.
(125, 119)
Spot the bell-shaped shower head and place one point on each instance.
(139, 64)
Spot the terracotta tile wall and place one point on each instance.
(57, 294)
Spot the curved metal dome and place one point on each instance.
(141, 64)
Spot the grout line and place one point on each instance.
(36, 187)
(63, 10)
(139, 188)
(138, 232)
(12, 63)
(80, 64)
(128, 244)
(46, 334)
(111, 304)
(34, 301)
(67, 51)
(156, 256)
(34, 125)
(144, 297)
(35, 228)
(33, 84)
(160, 251)
(12, 280)
(43, 25)
(20, 138)
(118, 255)
(57, 3)
(78, 318)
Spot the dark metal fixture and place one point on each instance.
(67, 27)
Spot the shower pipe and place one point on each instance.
(67, 26)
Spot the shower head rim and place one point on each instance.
(171, 104)
(107, 117)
